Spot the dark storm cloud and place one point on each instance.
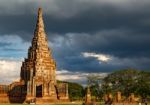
(132, 53)
(117, 28)
(76, 15)
(17, 25)
(120, 43)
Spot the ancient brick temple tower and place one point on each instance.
(37, 76)
(38, 70)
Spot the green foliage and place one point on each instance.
(94, 82)
(143, 84)
(75, 90)
(129, 81)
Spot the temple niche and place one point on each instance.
(38, 73)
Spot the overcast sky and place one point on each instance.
(86, 36)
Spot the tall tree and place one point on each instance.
(129, 81)
(94, 81)
(143, 84)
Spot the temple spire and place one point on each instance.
(38, 71)
(40, 37)
(40, 23)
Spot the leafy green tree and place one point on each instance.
(123, 80)
(75, 90)
(143, 84)
(129, 81)
(94, 81)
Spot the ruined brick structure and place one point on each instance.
(38, 72)
(118, 96)
(88, 96)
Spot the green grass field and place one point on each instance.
(42, 104)
(54, 103)
(77, 103)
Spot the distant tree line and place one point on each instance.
(126, 81)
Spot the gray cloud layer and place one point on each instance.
(119, 28)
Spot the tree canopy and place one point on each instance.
(127, 81)
(75, 90)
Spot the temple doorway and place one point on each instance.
(39, 91)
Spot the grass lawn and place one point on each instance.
(69, 103)
(76, 103)
(41, 104)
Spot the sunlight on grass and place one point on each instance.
(77, 103)
(42, 104)
(55, 104)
